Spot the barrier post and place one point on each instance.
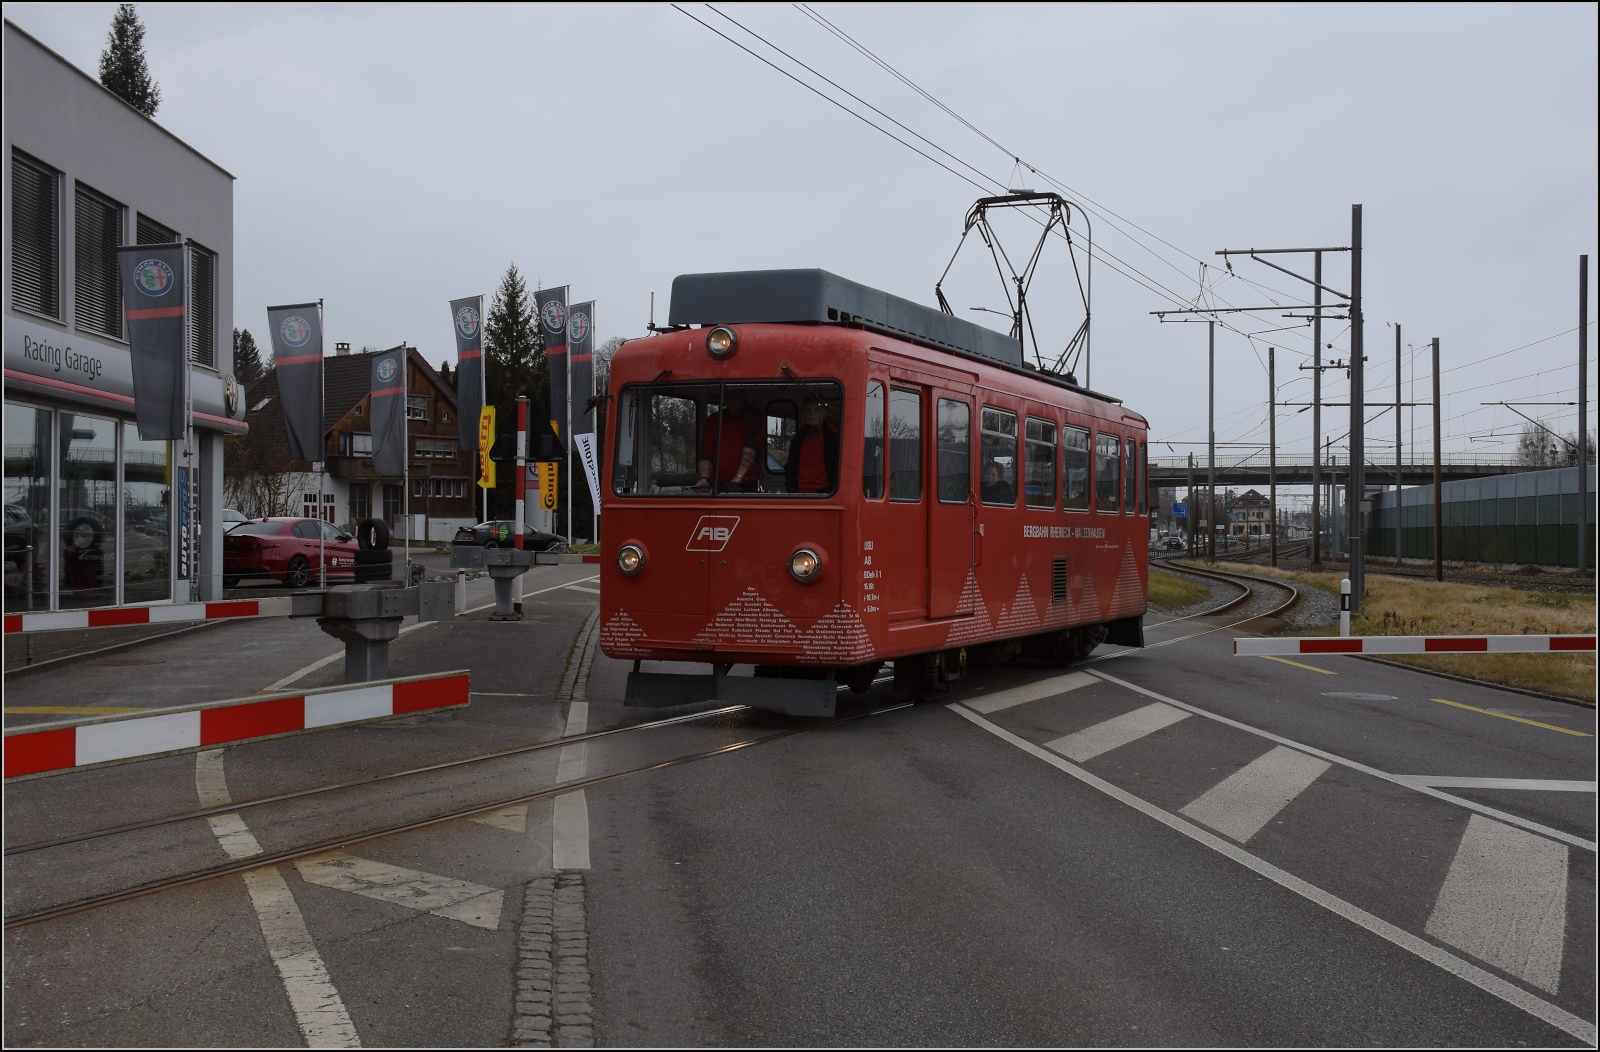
(1344, 607)
(461, 592)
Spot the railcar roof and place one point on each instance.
(818, 297)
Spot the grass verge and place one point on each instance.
(1170, 592)
(1402, 606)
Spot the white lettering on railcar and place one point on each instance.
(1063, 532)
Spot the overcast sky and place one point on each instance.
(392, 157)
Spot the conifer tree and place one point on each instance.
(514, 363)
(123, 69)
(248, 368)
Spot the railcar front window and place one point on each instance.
(1107, 468)
(1074, 469)
(1039, 471)
(738, 439)
(955, 451)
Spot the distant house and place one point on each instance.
(1251, 516)
(266, 480)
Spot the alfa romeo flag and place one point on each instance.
(389, 412)
(297, 360)
(580, 355)
(153, 302)
(552, 307)
(466, 317)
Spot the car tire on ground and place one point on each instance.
(230, 581)
(372, 535)
(298, 574)
(370, 557)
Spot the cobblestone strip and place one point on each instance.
(573, 1016)
(534, 1017)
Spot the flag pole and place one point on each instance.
(189, 498)
(322, 465)
(405, 450)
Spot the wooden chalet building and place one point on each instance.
(265, 480)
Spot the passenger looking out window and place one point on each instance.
(729, 445)
(998, 453)
(812, 465)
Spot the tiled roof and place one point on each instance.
(346, 380)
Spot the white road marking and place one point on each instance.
(1005, 699)
(318, 1008)
(1490, 812)
(426, 892)
(582, 588)
(300, 674)
(569, 848)
(511, 819)
(1115, 732)
(1543, 785)
(212, 788)
(1479, 977)
(1505, 901)
(1249, 798)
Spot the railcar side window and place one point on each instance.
(1039, 467)
(1130, 498)
(998, 455)
(713, 439)
(1074, 469)
(1107, 466)
(905, 445)
(1144, 473)
(872, 449)
(955, 451)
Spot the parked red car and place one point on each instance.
(286, 549)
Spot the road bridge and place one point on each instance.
(1252, 470)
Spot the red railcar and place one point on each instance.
(821, 478)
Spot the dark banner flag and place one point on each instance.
(389, 412)
(153, 301)
(552, 307)
(297, 360)
(466, 317)
(580, 355)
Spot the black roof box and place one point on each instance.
(788, 296)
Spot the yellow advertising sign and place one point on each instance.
(547, 485)
(485, 443)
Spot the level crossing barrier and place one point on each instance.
(309, 605)
(1518, 644)
(99, 741)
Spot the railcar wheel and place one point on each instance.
(917, 676)
(859, 678)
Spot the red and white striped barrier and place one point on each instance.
(1265, 647)
(163, 613)
(75, 745)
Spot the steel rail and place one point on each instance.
(299, 794)
(273, 858)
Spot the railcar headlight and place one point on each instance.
(805, 565)
(721, 343)
(630, 560)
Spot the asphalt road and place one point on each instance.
(1173, 846)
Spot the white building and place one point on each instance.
(91, 509)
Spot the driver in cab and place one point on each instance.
(729, 446)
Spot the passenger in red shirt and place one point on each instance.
(813, 462)
(735, 434)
